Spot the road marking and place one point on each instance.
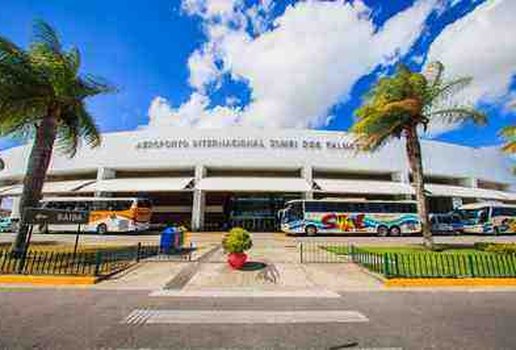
(139, 316)
(242, 317)
(246, 293)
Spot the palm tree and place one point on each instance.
(398, 106)
(42, 95)
(509, 134)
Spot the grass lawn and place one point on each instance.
(420, 249)
(416, 261)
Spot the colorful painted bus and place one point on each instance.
(382, 218)
(488, 217)
(106, 214)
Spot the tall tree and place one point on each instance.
(509, 134)
(398, 106)
(42, 96)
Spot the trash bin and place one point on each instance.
(168, 239)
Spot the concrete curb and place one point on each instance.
(48, 280)
(450, 282)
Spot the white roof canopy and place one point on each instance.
(150, 184)
(438, 190)
(363, 186)
(254, 184)
(48, 187)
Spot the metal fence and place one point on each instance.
(436, 265)
(323, 252)
(411, 265)
(98, 263)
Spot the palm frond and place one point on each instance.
(45, 34)
(442, 92)
(458, 115)
(509, 134)
(89, 130)
(77, 125)
(90, 85)
(73, 57)
(434, 73)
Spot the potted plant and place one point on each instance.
(235, 243)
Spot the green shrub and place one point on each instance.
(481, 245)
(237, 240)
(502, 248)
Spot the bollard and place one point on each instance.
(98, 262)
(138, 251)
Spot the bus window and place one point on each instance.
(120, 205)
(504, 211)
(295, 211)
(144, 203)
(483, 216)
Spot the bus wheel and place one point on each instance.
(102, 229)
(310, 230)
(395, 231)
(382, 231)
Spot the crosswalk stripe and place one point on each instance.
(308, 293)
(139, 316)
(242, 317)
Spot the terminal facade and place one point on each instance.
(212, 179)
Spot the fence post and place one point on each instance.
(352, 252)
(98, 262)
(471, 266)
(386, 271)
(396, 265)
(301, 252)
(190, 251)
(138, 251)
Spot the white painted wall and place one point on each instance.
(119, 151)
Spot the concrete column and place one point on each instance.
(199, 200)
(469, 182)
(307, 174)
(466, 182)
(104, 174)
(403, 177)
(400, 176)
(15, 210)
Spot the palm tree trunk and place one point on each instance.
(416, 166)
(36, 171)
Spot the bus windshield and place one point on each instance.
(473, 216)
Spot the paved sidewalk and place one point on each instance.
(281, 272)
(144, 276)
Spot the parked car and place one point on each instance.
(446, 224)
(7, 224)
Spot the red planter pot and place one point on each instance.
(237, 260)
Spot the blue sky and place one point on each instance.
(205, 63)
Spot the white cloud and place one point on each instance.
(482, 45)
(312, 58)
(203, 70)
(192, 113)
(296, 71)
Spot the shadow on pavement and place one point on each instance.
(253, 266)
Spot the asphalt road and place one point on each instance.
(80, 318)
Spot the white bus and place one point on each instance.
(488, 217)
(106, 214)
(383, 218)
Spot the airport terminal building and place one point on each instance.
(211, 179)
